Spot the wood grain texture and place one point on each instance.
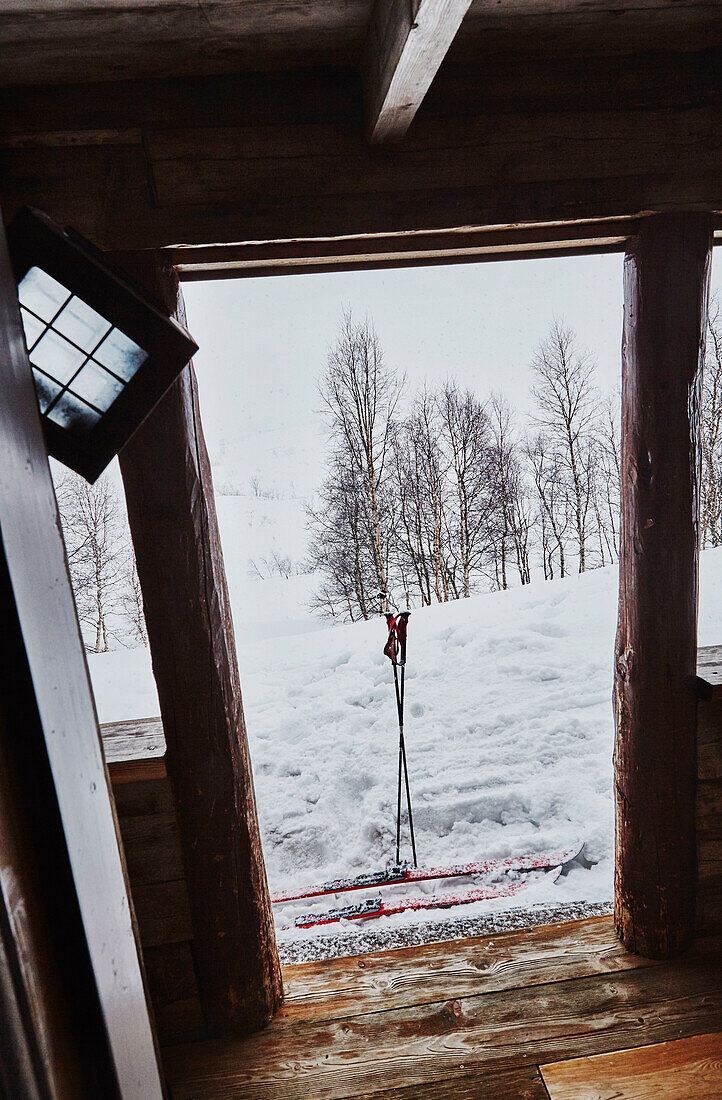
(139, 738)
(283, 156)
(684, 1069)
(710, 760)
(418, 1046)
(397, 250)
(68, 744)
(333, 159)
(516, 1084)
(151, 841)
(709, 672)
(415, 975)
(180, 565)
(145, 793)
(133, 771)
(163, 913)
(405, 45)
(152, 848)
(41, 40)
(666, 275)
(589, 26)
(174, 990)
(708, 918)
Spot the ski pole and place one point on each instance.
(406, 768)
(403, 765)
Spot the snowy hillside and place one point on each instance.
(509, 729)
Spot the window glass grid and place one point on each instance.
(47, 325)
(88, 357)
(85, 401)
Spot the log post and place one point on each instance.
(173, 522)
(666, 275)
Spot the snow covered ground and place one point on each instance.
(508, 726)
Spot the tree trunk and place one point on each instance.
(173, 522)
(666, 276)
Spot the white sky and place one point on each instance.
(263, 342)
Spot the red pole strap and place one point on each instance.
(395, 648)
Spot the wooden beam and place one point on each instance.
(407, 41)
(505, 147)
(666, 275)
(52, 766)
(237, 261)
(173, 522)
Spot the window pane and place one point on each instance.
(97, 386)
(71, 412)
(56, 356)
(81, 324)
(120, 354)
(41, 293)
(32, 326)
(46, 389)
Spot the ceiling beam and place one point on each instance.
(222, 160)
(471, 245)
(406, 43)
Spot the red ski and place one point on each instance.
(378, 907)
(403, 872)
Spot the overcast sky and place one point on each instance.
(263, 342)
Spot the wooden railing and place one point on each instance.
(709, 791)
(151, 840)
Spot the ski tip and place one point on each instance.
(578, 858)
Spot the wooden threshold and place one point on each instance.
(467, 1018)
(684, 1069)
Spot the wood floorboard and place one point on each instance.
(416, 975)
(406, 1050)
(516, 1084)
(685, 1069)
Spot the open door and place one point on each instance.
(73, 1012)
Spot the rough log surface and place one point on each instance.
(172, 515)
(655, 694)
(258, 157)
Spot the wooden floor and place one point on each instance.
(478, 1018)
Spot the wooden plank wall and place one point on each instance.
(255, 157)
(709, 817)
(149, 828)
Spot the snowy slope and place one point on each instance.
(509, 736)
(509, 729)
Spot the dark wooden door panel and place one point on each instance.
(37, 568)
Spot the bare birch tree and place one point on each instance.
(510, 532)
(608, 476)
(553, 514)
(361, 395)
(711, 433)
(566, 410)
(468, 436)
(131, 599)
(92, 519)
(339, 547)
(422, 499)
